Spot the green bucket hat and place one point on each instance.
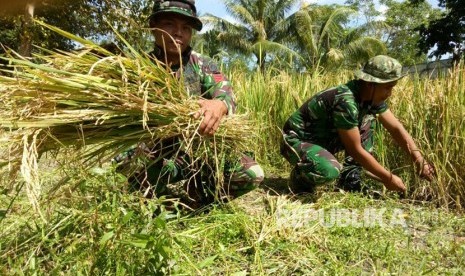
(381, 69)
(182, 7)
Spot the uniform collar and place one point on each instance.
(354, 86)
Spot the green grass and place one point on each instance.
(95, 227)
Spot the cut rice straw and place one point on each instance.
(100, 103)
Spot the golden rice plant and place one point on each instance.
(100, 103)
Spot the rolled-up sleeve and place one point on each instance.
(217, 86)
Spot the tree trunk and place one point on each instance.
(261, 59)
(26, 36)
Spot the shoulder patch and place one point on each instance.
(218, 77)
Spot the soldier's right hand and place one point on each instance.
(427, 170)
(395, 184)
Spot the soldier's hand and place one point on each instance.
(426, 170)
(212, 112)
(395, 184)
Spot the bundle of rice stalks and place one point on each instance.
(101, 103)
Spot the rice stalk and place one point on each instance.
(101, 104)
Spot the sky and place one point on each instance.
(217, 8)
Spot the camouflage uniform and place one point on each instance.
(311, 137)
(310, 134)
(164, 168)
(166, 164)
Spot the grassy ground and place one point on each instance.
(94, 227)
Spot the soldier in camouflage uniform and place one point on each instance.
(343, 118)
(172, 23)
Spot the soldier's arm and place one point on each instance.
(406, 142)
(351, 140)
(217, 86)
(219, 98)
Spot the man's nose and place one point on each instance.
(177, 30)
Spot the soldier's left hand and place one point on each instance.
(212, 111)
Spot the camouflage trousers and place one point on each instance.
(315, 165)
(165, 170)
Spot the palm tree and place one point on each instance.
(260, 28)
(326, 42)
(208, 44)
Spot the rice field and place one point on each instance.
(432, 110)
(85, 221)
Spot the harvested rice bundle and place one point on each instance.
(101, 103)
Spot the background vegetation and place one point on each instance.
(93, 225)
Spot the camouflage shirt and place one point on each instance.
(203, 78)
(319, 118)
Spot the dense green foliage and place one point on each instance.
(402, 38)
(397, 26)
(445, 34)
(86, 18)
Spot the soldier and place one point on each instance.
(343, 118)
(172, 24)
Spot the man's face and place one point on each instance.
(173, 33)
(382, 91)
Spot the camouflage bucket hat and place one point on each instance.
(381, 69)
(182, 7)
